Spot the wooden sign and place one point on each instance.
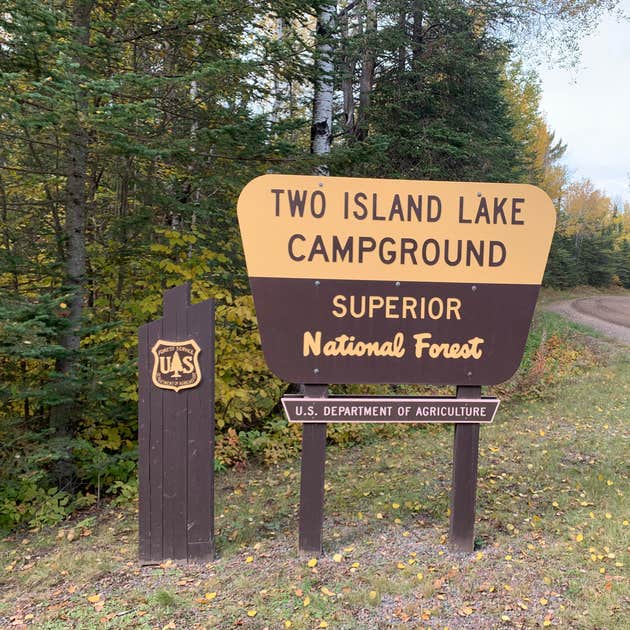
(373, 409)
(176, 431)
(394, 281)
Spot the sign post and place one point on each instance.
(176, 431)
(312, 480)
(464, 486)
(393, 281)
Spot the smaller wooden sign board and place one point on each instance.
(176, 431)
(372, 409)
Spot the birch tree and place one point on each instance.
(321, 128)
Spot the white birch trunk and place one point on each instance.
(321, 129)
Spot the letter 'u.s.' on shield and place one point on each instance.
(176, 364)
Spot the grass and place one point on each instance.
(552, 531)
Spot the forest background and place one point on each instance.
(128, 129)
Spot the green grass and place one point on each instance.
(552, 531)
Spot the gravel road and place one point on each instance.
(607, 314)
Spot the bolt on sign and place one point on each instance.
(394, 281)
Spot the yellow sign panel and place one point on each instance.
(395, 230)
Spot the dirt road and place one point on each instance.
(608, 314)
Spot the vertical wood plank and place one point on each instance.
(464, 488)
(156, 459)
(144, 445)
(313, 465)
(175, 431)
(200, 447)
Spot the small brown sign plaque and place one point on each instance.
(390, 409)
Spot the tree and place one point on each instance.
(438, 94)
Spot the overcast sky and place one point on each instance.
(589, 108)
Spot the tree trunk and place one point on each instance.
(321, 129)
(417, 45)
(367, 71)
(348, 65)
(64, 415)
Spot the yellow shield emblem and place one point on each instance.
(176, 364)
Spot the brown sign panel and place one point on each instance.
(389, 409)
(176, 431)
(393, 281)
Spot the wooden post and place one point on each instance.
(464, 488)
(176, 431)
(312, 480)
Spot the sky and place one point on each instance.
(589, 108)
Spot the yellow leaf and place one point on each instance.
(579, 537)
(337, 557)
(94, 598)
(252, 613)
(249, 559)
(287, 624)
(420, 576)
(544, 601)
(323, 624)
(395, 505)
(306, 601)
(546, 623)
(505, 618)
(312, 562)
(326, 591)
(210, 596)
(467, 610)
(400, 565)
(373, 594)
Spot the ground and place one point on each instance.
(609, 314)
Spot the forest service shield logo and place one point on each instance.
(176, 364)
